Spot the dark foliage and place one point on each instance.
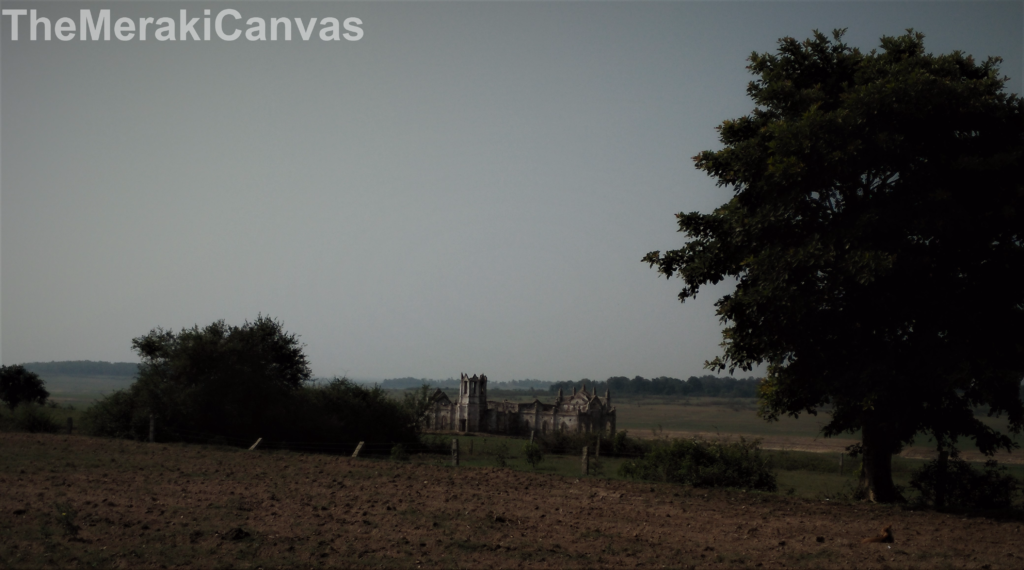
(33, 418)
(19, 385)
(875, 241)
(704, 464)
(119, 414)
(533, 454)
(237, 383)
(991, 487)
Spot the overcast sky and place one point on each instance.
(469, 187)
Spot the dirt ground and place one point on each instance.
(68, 501)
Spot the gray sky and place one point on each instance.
(469, 187)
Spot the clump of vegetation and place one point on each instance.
(704, 463)
(622, 444)
(533, 454)
(501, 454)
(398, 453)
(991, 487)
(34, 418)
(241, 383)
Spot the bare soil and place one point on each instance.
(68, 501)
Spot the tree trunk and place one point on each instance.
(876, 475)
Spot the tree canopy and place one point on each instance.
(874, 237)
(236, 383)
(18, 385)
(219, 378)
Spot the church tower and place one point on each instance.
(472, 402)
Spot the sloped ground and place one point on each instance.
(71, 501)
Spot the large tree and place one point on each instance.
(219, 379)
(875, 241)
(19, 385)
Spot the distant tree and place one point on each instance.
(416, 403)
(18, 385)
(875, 238)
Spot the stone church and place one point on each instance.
(582, 412)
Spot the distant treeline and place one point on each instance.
(405, 383)
(708, 385)
(82, 368)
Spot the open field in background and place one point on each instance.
(643, 417)
(74, 501)
(82, 391)
(713, 418)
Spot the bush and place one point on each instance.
(501, 454)
(34, 418)
(117, 415)
(533, 453)
(966, 487)
(398, 453)
(622, 444)
(704, 464)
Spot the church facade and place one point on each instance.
(581, 412)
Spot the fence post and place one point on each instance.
(358, 449)
(152, 428)
(532, 431)
(841, 464)
(586, 461)
(70, 426)
(597, 449)
(455, 452)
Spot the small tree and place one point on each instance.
(19, 385)
(533, 453)
(416, 403)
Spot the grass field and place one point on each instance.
(711, 417)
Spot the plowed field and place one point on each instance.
(69, 501)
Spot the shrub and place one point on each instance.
(117, 415)
(398, 453)
(622, 444)
(704, 464)
(966, 487)
(34, 418)
(533, 453)
(501, 454)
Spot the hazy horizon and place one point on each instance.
(469, 187)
